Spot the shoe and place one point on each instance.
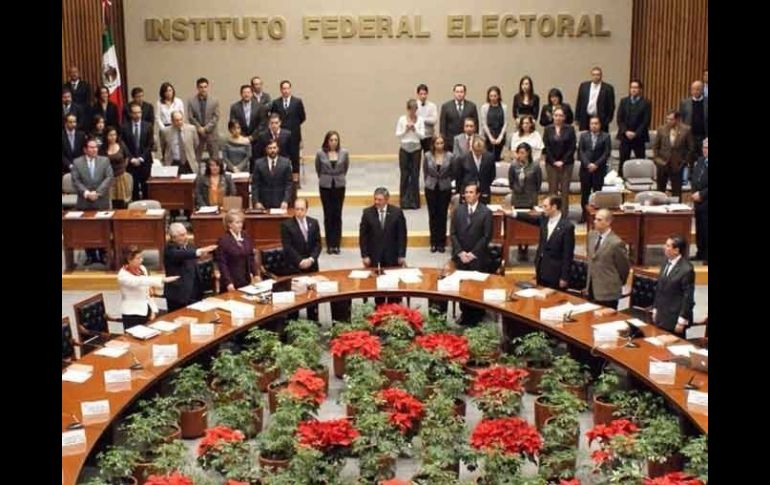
(433, 249)
(337, 250)
(329, 250)
(89, 261)
(441, 249)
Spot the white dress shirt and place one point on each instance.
(429, 114)
(592, 98)
(552, 222)
(410, 139)
(534, 139)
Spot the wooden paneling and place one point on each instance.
(669, 50)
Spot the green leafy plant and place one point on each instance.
(115, 464)
(378, 445)
(660, 438)
(289, 358)
(536, 348)
(238, 414)
(278, 440)
(261, 345)
(309, 467)
(170, 457)
(559, 397)
(306, 336)
(235, 460)
(483, 344)
(190, 386)
(443, 436)
(697, 453)
(569, 371)
(363, 378)
(639, 406)
(437, 322)
(149, 426)
(233, 377)
(426, 370)
(607, 387)
(557, 461)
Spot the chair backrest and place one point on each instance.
(651, 197)
(67, 187)
(508, 201)
(639, 168)
(67, 341)
(653, 138)
(496, 262)
(144, 204)
(578, 274)
(91, 315)
(501, 170)
(575, 172)
(606, 200)
(207, 279)
(643, 286)
(274, 261)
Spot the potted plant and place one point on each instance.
(169, 458)
(363, 379)
(498, 391)
(260, 347)
(333, 438)
(175, 478)
(304, 386)
(396, 326)
(241, 414)
(191, 393)
(427, 371)
(116, 467)
(556, 462)
(536, 349)
(306, 336)
(309, 466)
(358, 342)
(447, 345)
(210, 446)
(660, 441)
(504, 444)
(233, 377)
(674, 478)
(483, 346)
(154, 423)
(404, 410)
(444, 441)
(437, 322)
(276, 442)
(618, 456)
(639, 406)
(378, 445)
(607, 391)
(236, 461)
(572, 374)
(555, 399)
(696, 451)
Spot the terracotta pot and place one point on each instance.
(174, 432)
(338, 362)
(579, 391)
(323, 373)
(574, 441)
(532, 383)
(193, 420)
(265, 377)
(675, 463)
(603, 412)
(258, 412)
(542, 412)
(233, 395)
(460, 408)
(130, 481)
(272, 395)
(274, 465)
(394, 376)
(350, 411)
(142, 470)
(560, 467)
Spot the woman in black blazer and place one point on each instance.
(559, 140)
(214, 185)
(103, 106)
(437, 169)
(525, 102)
(331, 165)
(555, 100)
(235, 255)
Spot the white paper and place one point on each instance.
(185, 320)
(165, 326)
(403, 271)
(208, 209)
(584, 307)
(555, 313)
(681, 350)
(164, 354)
(117, 375)
(238, 309)
(257, 288)
(112, 352)
(323, 287)
(678, 207)
(73, 438)
(703, 352)
(95, 408)
(359, 274)
(494, 207)
(283, 297)
(142, 332)
(604, 337)
(495, 294)
(73, 214)
(655, 341)
(387, 282)
(303, 280)
(448, 285)
(277, 211)
(531, 293)
(616, 326)
(118, 344)
(696, 331)
(201, 329)
(653, 209)
(79, 377)
(636, 322)
(470, 275)
(698, 398)
(410, 278)
(240, 175)
(155, 212)
(202, 306)
(662, 368)
(188, 176)
(104, 214)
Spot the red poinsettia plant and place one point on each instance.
(396, 481)
(215, 437)
(499, 377)
(305, 385)
(618, 451)
(388, 311)
(508, 436)
(405, 410)
(674, 478)
(455, 347)
(333, 438)
(356, 342)
(605, 432)
(569, 481)
(175, 478)
(236, 482)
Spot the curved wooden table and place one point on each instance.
(526, 310)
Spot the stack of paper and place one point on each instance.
(531, 293)
(679, 207)
(259, 287)
(359, 274)
(142, 332)
(636, 322)
(165, 326)
(555, 313)
(387, 282)
(73, 214)
(155, 212)
(584, 307)
(208, 209)
(469, 275)
(407, 275)
(653, 209)
(278, 211)
(112, 352)
(617, 326)
(494, 207)
(104, 214)
(202, 306)
(681, 350)
(188, 176)
(77, 373)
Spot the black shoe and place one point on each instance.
(329, 250)
(89, 261)
(337, 250)
(441, 249)
(433, 249)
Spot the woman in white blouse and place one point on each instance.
(136, 303)
(167, 104)
(410, 129)
(529, 135)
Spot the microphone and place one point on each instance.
(633, 332)
(568, 317)
(76, 423)
(136, 365)
(690, 385)
(512, 296)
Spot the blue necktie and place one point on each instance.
(91, 168)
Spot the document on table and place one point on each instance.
(73, 214)
(165, 326)
(104, 214)
(142, 332)
(208, 209)
(531, 293)
(202, 306)
(359, 274)
(555, 313)
(188, 176)
(155, 212)
(112, 352)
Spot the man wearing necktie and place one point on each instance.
(271, 180)
(301, 241)
(81, 91)
(274, 132)
(252, 117)
(633, 123)
(672, 309)
(203, 114)
(462, 142)
(455, 111)
(593, 153)
(72, 141)
(138, 135)
(70, 107)
(179, 143)
(700, 198)
(292, 112)
(608, 264)
(180, 258)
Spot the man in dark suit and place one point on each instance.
(70, 107)
(274, 132)
(454, 113)
(181, 259)
(92, 177)
(608, 264)
(695, 114)
(137, 134)
(675, 291)
(672, 150)
(471, 234)
(301, 241)
(72, 142)
(478, 165)
(261, 96)
(382, 235)
(633, 123)
(148, 112)
(271, 180)
(595, 98)
(556, 247)
(81, 91)
(700, 198)
(292, 113)
(252, 117)
(593, 151)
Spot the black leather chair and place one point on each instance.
(91, 318)
(273, 262)
(208, 278)
(643, 286)
(578, 275)
(496, 259)
(67, 343)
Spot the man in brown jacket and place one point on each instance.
(672, 150)
(608, 264)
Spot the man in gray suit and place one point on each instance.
(608, 264)
(92, 178)
(203, 114)
(271, 181)
(462, 142)
(179, 143)
(259, 95)
(695, 114)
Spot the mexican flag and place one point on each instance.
(111, 69)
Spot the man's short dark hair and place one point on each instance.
(201, 80)
(244, 86)
(275, 116)
(382, 191)
(134, 104)
(637, 81)
(680, 243)
(460, 85)
(65, 90)
(422, 87)
(285, 81)
(136, 92)
(554, 200)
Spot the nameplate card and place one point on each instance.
(663, 372)
(201, 329)
(155, 212)
(104, 214)
(698, 401)
(73, 442)
(277, 211)
(73, 214)
(325, 287)
(636, 322)
(188, 176)
(283, 297)
(117, 376)
(165, 326)
(112, 352)
(164, 354)
(75, 376)
(448, 285)
(605, 337)
(387, 282)
(240, 310)
(185, 320)
(495, 294)
(95, 411)
(359, 274)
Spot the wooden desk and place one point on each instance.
(627, 225)
(264, 229)
(86, 232)
(657, 227)
(518, 232)
(498, 230)
(136, 227)
(175, 193)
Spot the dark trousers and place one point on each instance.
(133, 320)
(470, 315)
(97, 254)
(590, 182)
(183, 167)
(698, 147)
(438, 204)
(626, 147)
(496, 150)
(139, 190)
(608, 303)
(332, 200)
(174, 305)
(425, 144)
(294, 154)
(702, 231)
(664, 174)
(409, 163)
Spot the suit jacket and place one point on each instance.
(546, 114)
(68, 152)
(700, 183)
(382, 246)
(452, 122)
(685, 108)
(148, 113)
(135, 294)
(554, 254)
(525, 194)
(82, 95)
(271, 189)
(144, 150)
(265, 137)
(472, 235)
(110, 114)
(608, 267)
(203, 184)
(485, 175)
(598, 155)
(235, 261)
(101, 182)
(561, 147)
(291, 118)
(76, 110)
(634, 118)
(190, 141)
(182, 261)
(675, 295)
(295, 248)
(605, 105)
(265, 99)
(460, 145)
(193, 111)
(327, 173)
(257, 120)
(438, 178)
(664, 153)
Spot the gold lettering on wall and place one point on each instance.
(454, 26)
(404, 27)
(508, 26)
(546, 25)
(584, 26)
(565, 24)
(347, 27)
(368, 26)
(598, 32)
(489, 26)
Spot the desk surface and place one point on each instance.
(526, 310)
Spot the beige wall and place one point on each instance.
(359, 86)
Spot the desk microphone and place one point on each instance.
(512, 296)
(568, 317)
(136, 365)
(75, 424)
(690, 385)
(633, 332)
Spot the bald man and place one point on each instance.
(181, 259)
(608, 264)
(695, 113)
